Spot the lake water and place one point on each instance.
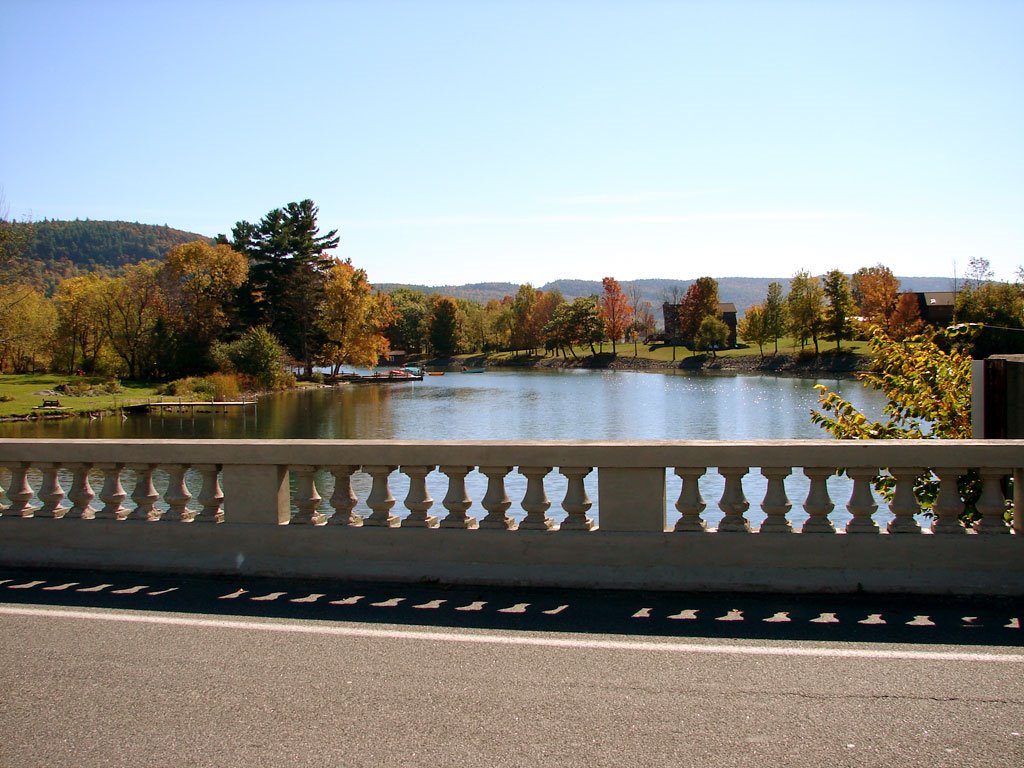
(516, 405)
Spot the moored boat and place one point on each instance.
(390, 377)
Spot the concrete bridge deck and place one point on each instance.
(119, 669)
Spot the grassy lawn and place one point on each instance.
(663, 353)
(19, 394)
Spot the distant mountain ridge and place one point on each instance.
(741, 291)
(63, 249)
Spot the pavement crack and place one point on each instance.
(884, 697)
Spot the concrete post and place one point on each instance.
(631, 499)
(256, 493)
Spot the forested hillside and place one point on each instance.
(61, 249)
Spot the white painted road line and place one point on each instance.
(512, 639)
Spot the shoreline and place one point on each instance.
(801, 366)
(806, 366)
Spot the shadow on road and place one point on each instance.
(849, 618)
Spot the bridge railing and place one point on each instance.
(258, 485)
(631, 484)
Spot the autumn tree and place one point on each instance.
(906, 319)
(700, 301)
(614, 309)
(543, 310)
(804, 308)
(15, 239)
(635, 298)
(199, 282)
(837, 322)
(751, 327)
(26, 335)
(526, 335)
(132, 305)
(81, 331)
(288, 264)
(876, 292)
(774, 315)
(352, 318)
(502, 322)
(476, 325)
(15, 288)
(642, 322)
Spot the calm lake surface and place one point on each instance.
(517, 405)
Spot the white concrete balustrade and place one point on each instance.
(142, 504)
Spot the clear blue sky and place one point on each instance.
(454, 142)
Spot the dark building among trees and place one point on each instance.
(937, 307)
(673, 326)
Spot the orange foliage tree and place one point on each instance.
(876, 291)
(352, 318)
(614, 310)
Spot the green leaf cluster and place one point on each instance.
(926, 379)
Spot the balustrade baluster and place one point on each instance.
(344, 500)
(112, 493)
(457, 501)
(19, 492)
(948, 506)
(690, 503)
(535, 502)
(177, 496)
(733, 503)
(211, 497)
(380, 499)
(861, 505)
(904, 504)
(307, 498)
(418, 501)
(576, 503)
(144, 494)
(992, 504)
(776, 504)
(818, 503)
(496, 500)
(81, 493)
(51, 492)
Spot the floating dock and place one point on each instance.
(181, 406)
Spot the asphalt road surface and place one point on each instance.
(115, 669)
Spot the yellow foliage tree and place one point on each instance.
(352, 318)
(81, 332)
(26, 335)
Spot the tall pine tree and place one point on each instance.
(288, 264)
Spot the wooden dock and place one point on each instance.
(183, 406)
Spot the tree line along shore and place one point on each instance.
(246, 311)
